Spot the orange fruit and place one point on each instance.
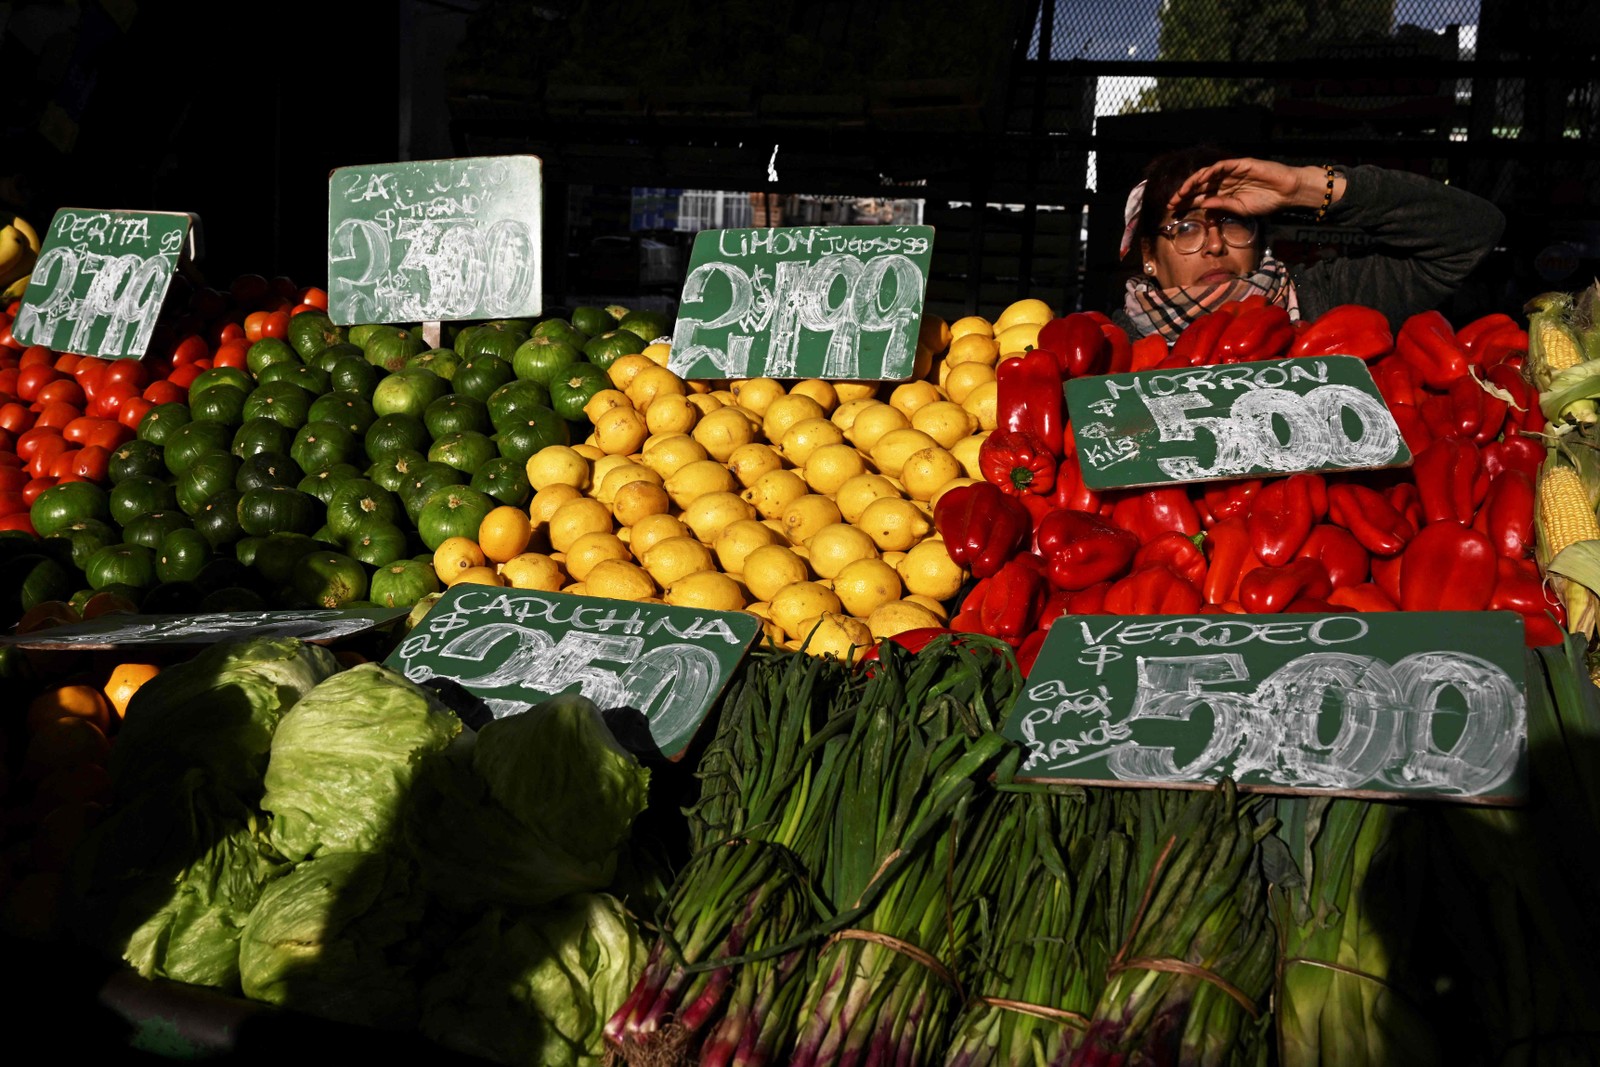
(66, 742)
(70, 701)
(124, 681)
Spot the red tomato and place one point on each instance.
(300, 309)
(45, 456)
(184, 376)
(9, 457)
(110, 398)
(164, 391)
(35, 486)
(18, 521)
(314, 297)
(30, 441)
(33, 378)
(8, 380)
(133, 411)
(36, 354)
(61, 463)
(231, 331)
(6, 339)
(12, 478)
(15, 417)
(132, 371)
(88, 372)
(56, 416)
(250, 289)
(259, 324)
(62, 390)
(67, 362)
(78, 430)
(110, 436)
(11, 502)
(90, 463)
(190, 349)
(232, 354)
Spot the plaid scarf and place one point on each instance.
(1170, 311)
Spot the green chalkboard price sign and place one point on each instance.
(516, 647)
(1238, 420)
(435, 240)
(803, 302)
(1392, 704)
(115, 631)
(100, 279)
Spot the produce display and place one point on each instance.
(858, 877)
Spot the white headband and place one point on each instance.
(1130, 217)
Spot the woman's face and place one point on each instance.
(1214, 261)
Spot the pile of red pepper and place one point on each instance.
(1454, 532)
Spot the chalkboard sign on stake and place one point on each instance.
(101, 276)
(516, 647)
(318, 626)
(1236, 420)
(438, 240)
(1387, 704)
(842, 302)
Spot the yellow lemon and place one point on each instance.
(612, 477)
(671, 414)
(604, 401)
(806, 436)
(785, 411)
(858, 492)
(672, 451)
(799, 601)
(892, 450)
(927, 470)
(590, 549)
(866, 584)
(928, 570)
(587, 450)
(822, 392)
(971, 324)
(652, 529)
(557, 465)
(533, 570)
(1021, 338)
(722, 431)
(964, 379)
(844, 416)
(620, 431)
(707, 590)
(711, 513)
(898, 616)
(1029, 310)
(504, 533)
(973, 348)
(833, 634)
(673, 558)
(754, 394)
(749, 462)
(703, 403)
(478, 576)
(834, 546)
(658, 352)
(929, 604)
(574, 519)
(982, 405)
(847, 391)
(910, 396)
(653, 382)
(738, 540)
(771, 567)
(774, 491)
(547, 500)
(455, 556)
(694, 480)
(808, 514)
(894, 525)
(872, 423)
(619, 579)
(944, 421)
(831, 466)
(624, 369)
(966, 452)
(637, 500)
(933, 333)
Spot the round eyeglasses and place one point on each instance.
(1189, 235)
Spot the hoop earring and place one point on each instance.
(1149, 268)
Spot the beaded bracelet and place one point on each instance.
(1327, 197)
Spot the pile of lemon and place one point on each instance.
(808, 503)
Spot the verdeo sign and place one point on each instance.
(516, 647)
(803, 302)
(1237, 420)
(1385, 704)
(98, 284)
(435, 240)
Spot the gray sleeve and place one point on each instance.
(1429, 237)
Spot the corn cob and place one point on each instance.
(1554, 348)
(1565, 517)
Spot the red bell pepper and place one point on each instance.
(1147, 352)
(1541, 629)
(1521, 588)
(982, 527)
(1223, 500)
(1340, 554)
(1492, 339)
(1363, 597)
(1386, 575)
(1524, 412)
(1069, 491)
(1180, 553)
(1427, 342)
(1281, 516)
(1269, 590)
(1055, 606)
(1514, 452)
(1148, 513)
(1078, 343)
(1308, 605)
(1028, 651)
(1346, 330)
(1374, 523)
(1197, 345)
(1506, 514)
(1121, 348)
(1017, 462)
(1090, 601)
(1006, 605)
(1081, 549)
(1404, 498)
(1465, 410)
(1398, 382)
(910, 640)
(1255, 334)
(1448, 566)
(1451, 481)
(1028, 397)
(1413, 427)
(1156, 589)
(1229, 558)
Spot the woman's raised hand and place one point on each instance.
(1250, 187)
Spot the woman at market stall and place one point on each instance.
(1195, 238)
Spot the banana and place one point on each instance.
(27, 230)
(16, 255)
(15, 290)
